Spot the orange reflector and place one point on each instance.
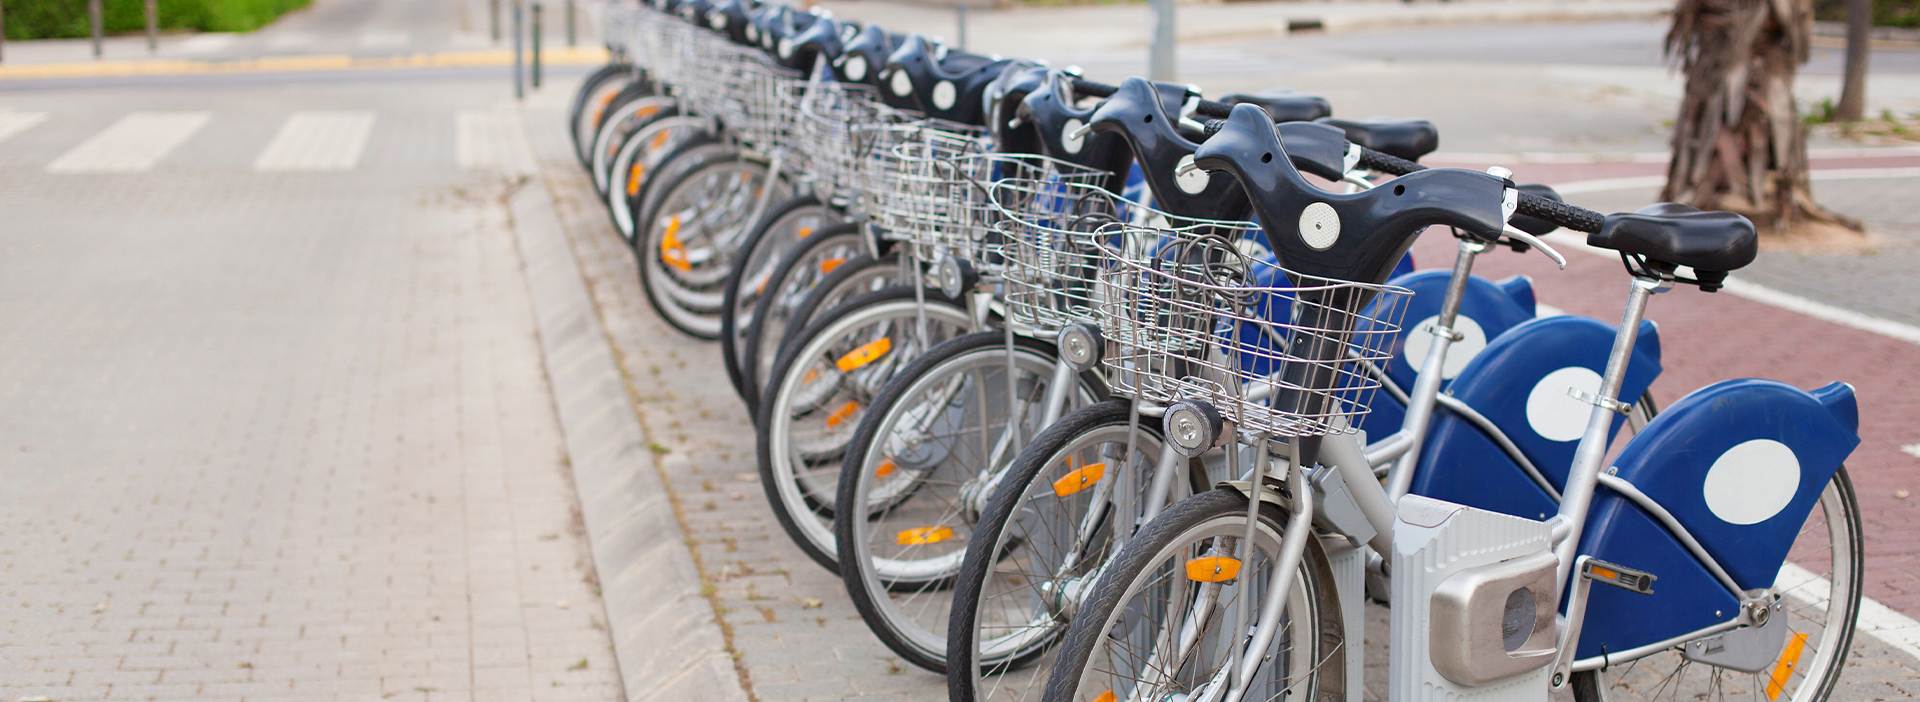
(647, 111)
(671, 250)
(633, 180)
(1079, 479)
(813, 374)
(923, 535)
(1107, 696)
(806, 232)
(1212, 569)
(841, 415)
(886, 469)
(867, 353)
(828, 265)
(1783, 670)
(660, 139)
(1600, 573)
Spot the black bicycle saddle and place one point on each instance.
(1405, 138)
(864, 55)
(801, 48)
(947, 85)
(1353, 237)
(1284, 105)
(1679, 235)
(693, 11)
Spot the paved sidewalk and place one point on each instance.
(278, 435)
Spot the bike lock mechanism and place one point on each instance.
(957, 277)
(1081, 346)
(1192, 427)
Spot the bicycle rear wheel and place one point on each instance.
(824, 379)
(1822, 585)
(1152, 631)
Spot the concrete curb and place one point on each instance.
(665, 638)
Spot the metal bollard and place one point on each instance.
(153, 26)
(519, 85)
(571, 11)
(93, 17)
(3, 30)
(960, 20)
(493, 17)
(536, 46)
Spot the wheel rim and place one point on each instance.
(757, 272)
(691, 243)
(804, 453)
(636, 162)
(791, 291)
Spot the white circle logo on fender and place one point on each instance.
(901, 84)
(1070, 138)
(1552, 412)
(1192, 182)
(718, 20)
(856, 68)
(1420, 341)
(944, 95)
(1319, 225)
(786, 47)
(1752, 481)
(753, 33)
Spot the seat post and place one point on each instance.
(1426, 386)
(1585, 472)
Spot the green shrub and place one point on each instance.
(67, 19)
(1886, 13)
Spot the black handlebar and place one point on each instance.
(1205, 108)
(1559, 213)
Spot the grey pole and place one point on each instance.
(1853, 88)
(536, 46)
(3, 30)
(153, 26)
(571, 10)
(493, 15)
(93, 17)
(519, 73)
(1160, 54)
(960, 19)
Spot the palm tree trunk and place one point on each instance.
(1738, 143)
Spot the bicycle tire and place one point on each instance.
(638, 160)
(1222, 512)
(755, 264)
(874, 581)
(595, 90)
(634, 106)
(792, 277)
(802, 503)
(686, 291)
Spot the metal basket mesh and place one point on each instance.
(933, 193)
(1273, 350)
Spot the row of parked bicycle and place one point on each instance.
(1102, 391)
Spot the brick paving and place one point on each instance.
(279, 436)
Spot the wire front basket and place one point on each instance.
(940, 198)
(837, 127)
(1274, 351)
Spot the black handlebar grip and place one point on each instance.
(1572, 217)
(1092, 89)
(1216, 110)
(1391, 165)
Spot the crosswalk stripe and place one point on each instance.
(131, 145)
(317, 141)
(491, 139)
(12, 123)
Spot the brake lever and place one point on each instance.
(1185, 168)
(1535, 242)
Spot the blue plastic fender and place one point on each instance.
(1740, 465)
(1488, 309)
(1520, 383)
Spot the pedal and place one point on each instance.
(1618, 576)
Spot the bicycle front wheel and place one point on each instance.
(687, 248)
(1821, 584)
(786, 225)
(934, 442)
(1158, 629)
(824, 380)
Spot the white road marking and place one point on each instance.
(1754, 291)
(1878, 620)
(317, 141)
(131, 145)
(385, 39)
(1911, 450)
(12, 123)
(206, 43)
(492, 140)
